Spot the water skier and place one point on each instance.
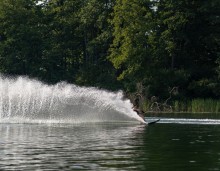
(139, 112)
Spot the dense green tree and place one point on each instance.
(58, 40)
(130, 50)
(188, 32)
(96, 34)
(149, 45)
(163, 44)
(62, 53)
(20, 31)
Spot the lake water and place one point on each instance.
(170, 145)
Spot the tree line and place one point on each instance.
(141, 46)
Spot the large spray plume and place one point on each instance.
(26, 100)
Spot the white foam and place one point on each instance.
(28, 100)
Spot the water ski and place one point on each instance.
(141, 114)
(152, 122)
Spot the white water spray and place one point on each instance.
(25, 100)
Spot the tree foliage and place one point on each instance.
(166, 44)
(112, 44)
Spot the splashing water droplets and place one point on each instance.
(26, 100)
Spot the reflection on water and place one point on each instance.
(96, 147)
(109, 147)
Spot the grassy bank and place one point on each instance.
(197, 105)
(189, 106)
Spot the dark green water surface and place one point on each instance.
(165, 146)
